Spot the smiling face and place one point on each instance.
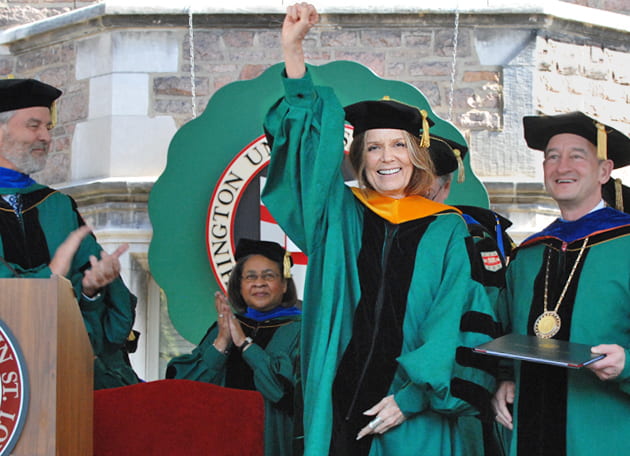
(262, 284)
(574, 175)
(24, 140)
(388, 167)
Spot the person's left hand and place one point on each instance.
(238, 336)
(387, 415)
(611, 366)
(102, 272)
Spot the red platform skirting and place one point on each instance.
(178, 418)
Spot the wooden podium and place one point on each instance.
(45, 319)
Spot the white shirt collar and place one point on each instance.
(600, 205)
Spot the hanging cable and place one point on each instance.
(191, 46)
(454, 61)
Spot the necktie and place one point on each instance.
(15, 200)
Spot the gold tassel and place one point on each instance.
(286, 265)
(602, 142)
(53, 114)
(461, 172)
(425, 141)
(618, 195)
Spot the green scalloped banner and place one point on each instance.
(202, 149)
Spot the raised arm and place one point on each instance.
(305, 187)
(298, 21)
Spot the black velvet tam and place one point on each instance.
(443, 156)
(26, 93)
(368, 115)
(271, 250)
(540, 129)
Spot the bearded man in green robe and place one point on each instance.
(42, 233)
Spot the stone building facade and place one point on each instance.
(133, 74)
(14, 12)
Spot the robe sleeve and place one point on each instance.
(624, 377)
(108, 320)
(505, 369)
(503, 303)
(440, 376)
(275, 367)
(110, 317)
(306, 194)
(204, 364)
(307, 130)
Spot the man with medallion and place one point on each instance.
(571, 282)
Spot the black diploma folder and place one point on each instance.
(537, 350)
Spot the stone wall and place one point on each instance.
(419, 56)
(126, 76)
(616, 6)
(419, 52)
(14, 12)
(590, 76)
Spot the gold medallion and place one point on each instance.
(547, 324)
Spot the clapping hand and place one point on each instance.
(230, 330)
(102, 272)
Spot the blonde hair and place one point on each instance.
(423, 171)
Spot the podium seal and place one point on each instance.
(13, 390)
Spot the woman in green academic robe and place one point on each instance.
(390, 305)
(255, 345)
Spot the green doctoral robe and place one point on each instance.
(27, 247)
(391, 274)
(561, 411)
(268, 366)
(492, 246)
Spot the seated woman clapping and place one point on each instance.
(254, 344)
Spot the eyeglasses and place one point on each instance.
(267, 276)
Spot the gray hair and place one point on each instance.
(445, 178)
(6, 116)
